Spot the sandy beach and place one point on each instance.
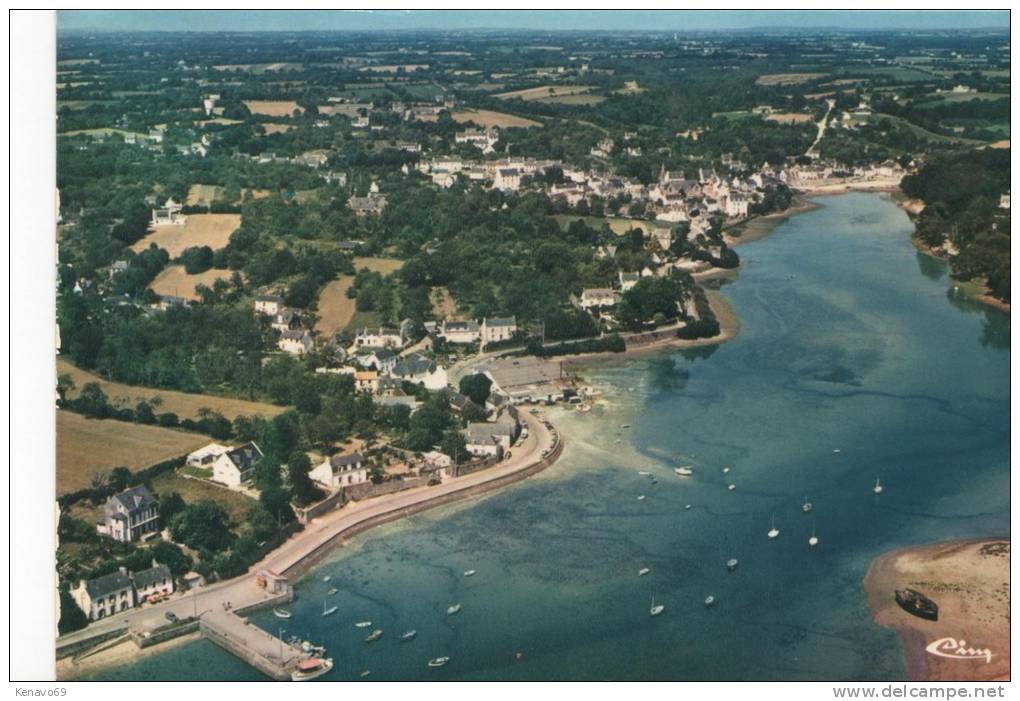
(969, 581)
(121, 653)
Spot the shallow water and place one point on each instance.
(849, 341)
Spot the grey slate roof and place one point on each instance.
(107, 584)
(245, 456)
(134, 499)
(413, 364)
(154, 574)
(344, 462)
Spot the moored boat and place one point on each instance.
(409, 635)
(643, 571)
(773, 532)
(656, 609)
(363, 624)
(450, 610)
(438, 661)
(374, 635)
(732, 563)
(469, 573)
(683, 471)
(311, 668)
(709, 601)
(282, 613)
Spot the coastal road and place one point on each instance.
(319, 534)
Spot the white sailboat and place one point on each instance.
(732, 563)
(453, 609)
(732, 487)
(773, 532)
(877, 489)
(807, 506)
(469, 573)
(709, 601)
(643, 571)
(438, 661)
(656, 609)
(328, 611)
(813, 540)
(363, 624)
(683, 471)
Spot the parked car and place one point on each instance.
(171, 616)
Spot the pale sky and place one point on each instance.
(554, 20)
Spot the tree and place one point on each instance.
(171, 555)
(302, 488)
(197, 259)
(203, 525)
(92, 401)
(476, 387)
(170, 504)
(72, 618)
(267, 473)
(454, 445)
(276, 502)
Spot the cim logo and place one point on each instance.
(957, 650)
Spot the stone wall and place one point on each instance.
(166, 633)
(368, 490)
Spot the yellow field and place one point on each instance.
(488, 118)
(258, 68)
(185, 405)
(630, 87)
(174, 281)
(1000, 144)
(618, 225)
(790, 117)
(544, 91)
(219, 120)
(85, 446)
(277, 128)
(406, 67)
(582, 99)
(191, 490)
(273, 108)
(787, 78)
(379, 265)
(211, 230)
(204, 194)
(335, 309)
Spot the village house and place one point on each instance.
(507, 179)
(461, 332)
(295, 341)
(205, 457)
(497, 329)
(287, 319)
(489, 439)
(444, 179)
(118, 266)
(594, 297)
(366, 381)
(131, 515)
(381, 337)
(169, 213)
(628, 280)
(420, 370)
(1004, 201)
(364, 206)
(154, 581)
(663, 237)
(106, 595)
(237, 466)
(268, 304)
(382, 360)
(341, 471)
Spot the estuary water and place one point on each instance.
(850, 341)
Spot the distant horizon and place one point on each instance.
(542, 21)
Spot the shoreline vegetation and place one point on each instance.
(969, 580)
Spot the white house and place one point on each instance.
(628, 280)
(461, 331)
(366, 381)
(487, 439)
(420, 370)
(381, 359)
(736, 205)
(169, 213)
(157, 580)
(204, 457)
(598, 297)
(295, 342)
(381, 337)
(268, 304)
(497, 329)
(507, 179)
(341, 471)
(106, 595)
(131, 515)
(236, 466)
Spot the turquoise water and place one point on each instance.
(849, 341)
